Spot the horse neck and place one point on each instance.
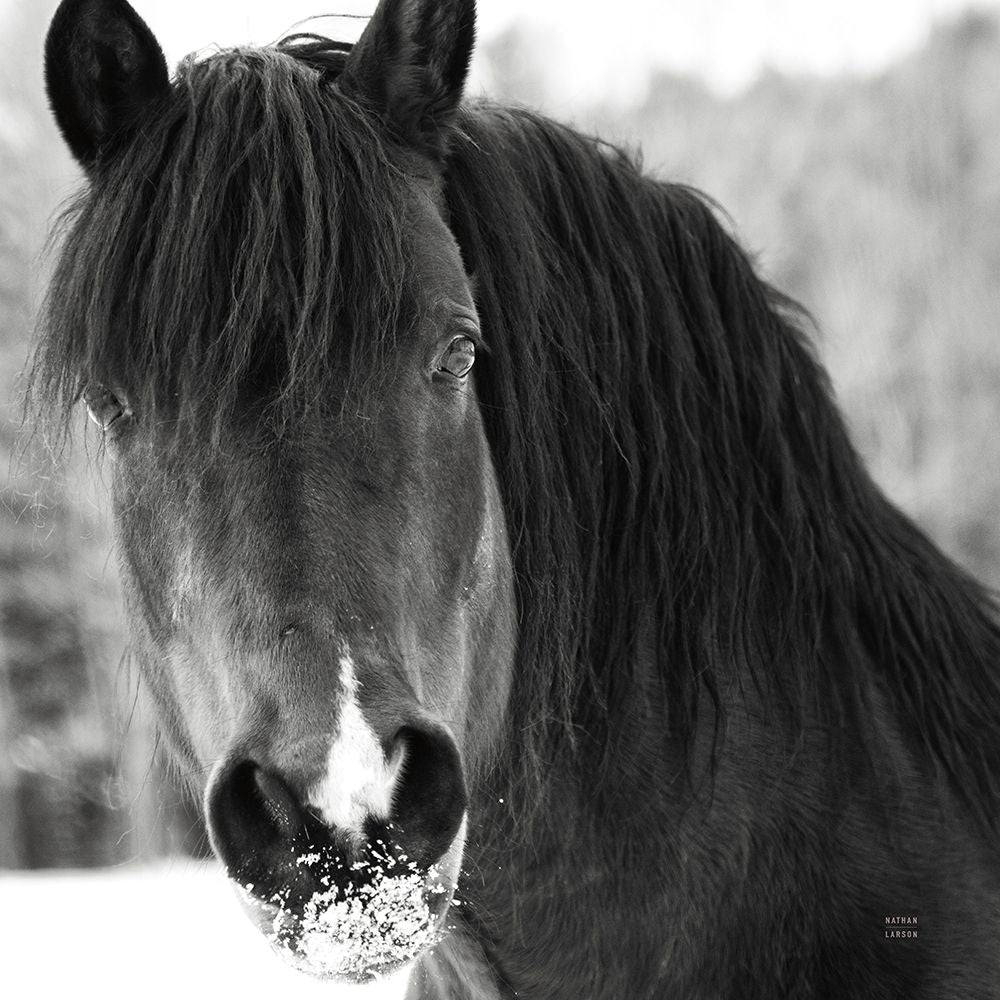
(794, 609)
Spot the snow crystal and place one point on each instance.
(362, 930)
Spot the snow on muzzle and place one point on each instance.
(346, 903)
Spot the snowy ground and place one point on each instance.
(173, 931)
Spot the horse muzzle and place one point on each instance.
(351, 882)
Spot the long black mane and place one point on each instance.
(676, 469)
(687, 513)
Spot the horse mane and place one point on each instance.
(681, 492)
(678, 481)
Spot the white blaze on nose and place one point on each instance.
(359, 781)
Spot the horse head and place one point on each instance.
(311, 535)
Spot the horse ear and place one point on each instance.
(410, 64)
(103, 69)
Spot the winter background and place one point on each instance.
(854, 144)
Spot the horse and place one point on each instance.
(493, 549)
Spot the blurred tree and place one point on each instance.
(513, 64)
(75, 784)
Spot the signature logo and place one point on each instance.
(901, 927)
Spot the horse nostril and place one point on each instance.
(251, 812)
(429, 800)
(279, 803)
(397, 755)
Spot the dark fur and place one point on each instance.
(710, 585)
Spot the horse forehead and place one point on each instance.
(436, 257)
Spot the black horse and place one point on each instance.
(496, 555)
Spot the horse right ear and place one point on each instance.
(103, 70)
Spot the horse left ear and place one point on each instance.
(410, 64)
(103, 70)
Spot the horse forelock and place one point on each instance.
(251, 239)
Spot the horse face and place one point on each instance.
(327, 623)
(325, 614)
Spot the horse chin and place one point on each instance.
(362, 928)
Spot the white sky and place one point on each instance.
(607, 48)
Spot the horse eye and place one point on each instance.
(459, 358)
(103, 406)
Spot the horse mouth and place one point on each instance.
(360, 919)
(345, 903)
